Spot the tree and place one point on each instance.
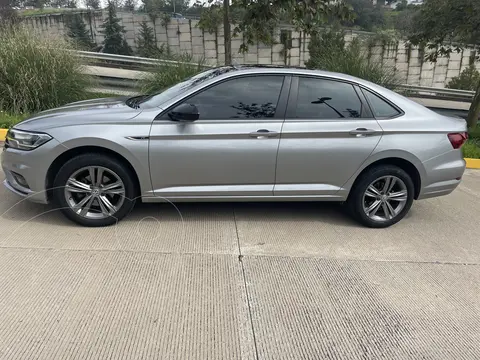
(78, 32)
(176, 6)
(8, 15)
(114, 42)
(257, 19)
(92, 4)
(146, 43)
(402, 5)
(403, 21)
(72, 4)
(368, 16)
(129, 5)
(444, 26)
(153, 8)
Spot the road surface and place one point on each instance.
(242, 281)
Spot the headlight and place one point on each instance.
(25, 140)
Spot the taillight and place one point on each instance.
(457, 139)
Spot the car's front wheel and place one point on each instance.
(382, 196)
(94, 190)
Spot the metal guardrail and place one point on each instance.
(134, 60)
(138, 62)
(436, 93)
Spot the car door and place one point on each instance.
(231, 149)
(328, 133)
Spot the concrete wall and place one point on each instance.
(183, 36)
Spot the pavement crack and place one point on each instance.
(247, 294)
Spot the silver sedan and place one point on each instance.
(239, 134)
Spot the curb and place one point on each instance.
(471, 163)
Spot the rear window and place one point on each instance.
(380, 108)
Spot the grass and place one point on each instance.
(471, 149)
(38, 73)
(165, 75)
(9, 120)
(45, 11)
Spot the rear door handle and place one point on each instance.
(360, 132)
(263, 133)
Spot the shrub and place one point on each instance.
(471, 149)
(37, 73)
(328, 52)
(467, 80)
(475, 133)
(167, 74)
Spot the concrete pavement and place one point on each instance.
(242, 281)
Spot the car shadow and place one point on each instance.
(334, 213)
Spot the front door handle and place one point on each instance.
(263, 133)
(361, 132)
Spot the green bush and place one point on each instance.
(329, 52)
(8, 120)
(471, 149)
(467, 80)
(474, 133)
(37, 73)
(168, 74)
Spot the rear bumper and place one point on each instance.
(444, 174)
(438, 189)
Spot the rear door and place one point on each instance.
(231, 149)
(328, 133)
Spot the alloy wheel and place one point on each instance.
(385, 198)
(95, 192)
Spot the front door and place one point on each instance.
(230, 150)
(328, 133)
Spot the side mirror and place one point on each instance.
(184, 112)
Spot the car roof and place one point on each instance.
(256, 69)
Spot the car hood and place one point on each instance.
(82, 112)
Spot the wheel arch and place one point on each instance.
(71, 153)
(410, 165)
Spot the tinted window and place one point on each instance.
(240, 98)
(379, 106)
(326, 99)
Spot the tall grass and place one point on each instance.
(37, 73)
(168, 74)
(328, 51)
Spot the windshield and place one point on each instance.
(159, 98)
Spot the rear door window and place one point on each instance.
(326, 99)
(380, 108)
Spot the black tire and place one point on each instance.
(356, 197)
(94, 159)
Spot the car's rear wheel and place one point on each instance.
(94, 190)
(382, 196)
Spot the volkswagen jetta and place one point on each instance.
(239, 134)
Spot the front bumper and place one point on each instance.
(32, 166)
